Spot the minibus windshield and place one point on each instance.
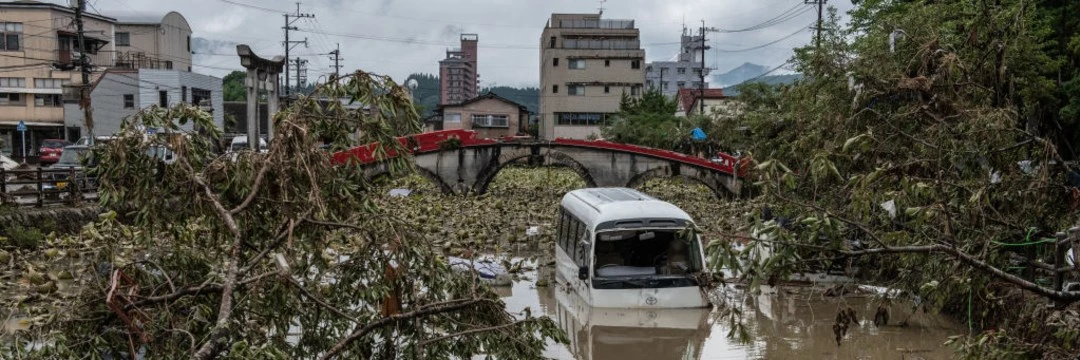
(644, 253)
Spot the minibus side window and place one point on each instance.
(572, 243)
(561, 232)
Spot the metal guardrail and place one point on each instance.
(40, 187)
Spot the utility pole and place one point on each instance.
(820, 4)
(336, 56)
(289, 20)
(84, 89)
(701, 72)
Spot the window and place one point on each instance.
(635, 64)
(555, 62)
(48, 100)
(183, 94)
(12, 82)
(576, 90)
(591, 119)
(201, 97)
(681, 84)
(11, 99)
(123, 39)
(129, 101)
(635, 90)
(576, 64)
(168, 65)
(551, 42)
(680, 70)
(648, 68)
(41, 83)
(189, 43)
(482, 120)
(607, 89)
(607, 62)
(163, 98)
(554, 89)
(664, 85)
(11, 36)
(452, 117)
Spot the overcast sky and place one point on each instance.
(399, 37)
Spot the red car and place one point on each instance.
(51, 149)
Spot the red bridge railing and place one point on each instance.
(460, 138)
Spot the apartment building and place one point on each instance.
(586, 65)
(685, 72)
(458, 74)
(39, 57)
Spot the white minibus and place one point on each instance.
(621, 248)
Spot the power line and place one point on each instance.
(413, 41)
(765, 44)
(249, 6)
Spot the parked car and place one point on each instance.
(74, 158)
(50, 150)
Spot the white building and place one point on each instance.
(685, 72)
(120, 93)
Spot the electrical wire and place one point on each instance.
(765, 44)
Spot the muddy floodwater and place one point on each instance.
(788, 323)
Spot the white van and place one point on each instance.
(621, 248)
(240, 143)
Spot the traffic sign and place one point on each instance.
(21, 126)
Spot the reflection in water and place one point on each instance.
(789, 324)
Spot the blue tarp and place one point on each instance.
(698, 134)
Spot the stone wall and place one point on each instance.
(60, 219)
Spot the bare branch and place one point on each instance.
(254, 189)
(319, 301)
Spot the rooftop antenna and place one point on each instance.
(602, 6)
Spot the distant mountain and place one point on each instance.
(769, 79)
(737, 75)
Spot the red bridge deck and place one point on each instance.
(434, 142)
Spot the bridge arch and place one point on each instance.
(678, 171)
(546, 157)
(382, 172)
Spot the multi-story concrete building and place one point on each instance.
(40, 52)
(458, 75)
(670, 76)
(586, 65)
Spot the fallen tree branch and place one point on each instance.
(254, 189)
(320, 301)
(393, 319)
(474, 331)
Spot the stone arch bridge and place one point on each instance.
(457, 161)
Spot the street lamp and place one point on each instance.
(258, 70)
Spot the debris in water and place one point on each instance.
(486, 269)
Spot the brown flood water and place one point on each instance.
(794, 324)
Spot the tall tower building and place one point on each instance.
(458, 76)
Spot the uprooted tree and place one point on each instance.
(924, 147)
(275, 255)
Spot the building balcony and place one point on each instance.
(595, 24)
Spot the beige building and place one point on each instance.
(586, 65)
(39, 53)
(490, 115)
(153, 41)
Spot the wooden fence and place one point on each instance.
(41, 187)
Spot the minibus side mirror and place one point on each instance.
(583, 273)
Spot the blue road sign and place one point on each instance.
(21, 126)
